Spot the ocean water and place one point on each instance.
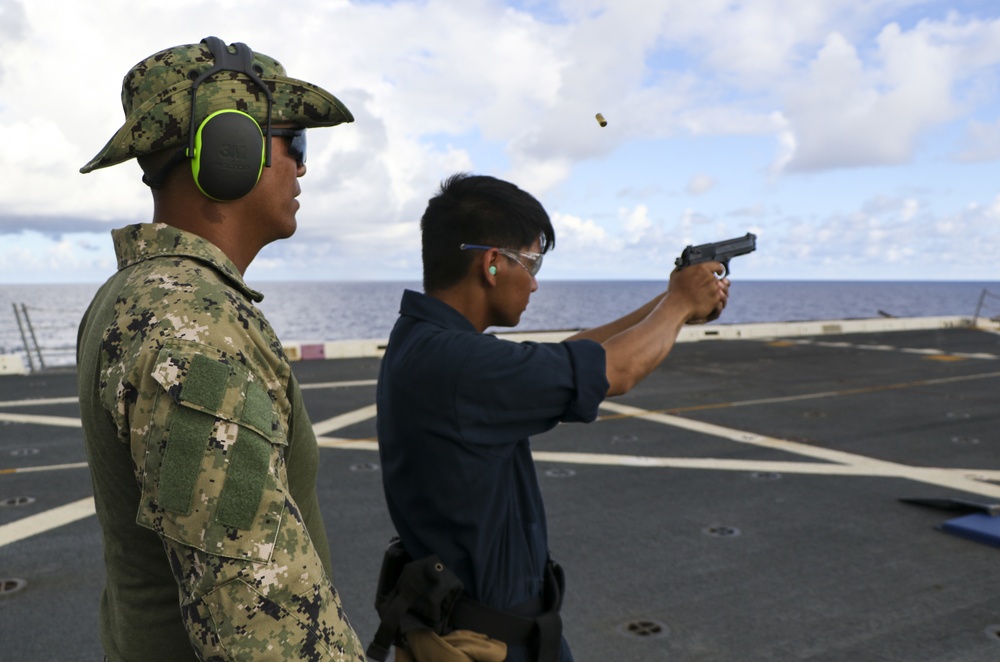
(318, 311)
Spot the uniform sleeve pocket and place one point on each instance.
(214, 463)
(248, 623)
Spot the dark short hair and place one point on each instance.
(477, 209)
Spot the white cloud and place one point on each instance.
(574, 233)
(878, 241)
(70, 258)
(848, 112)
(636, 223)
(699, 184)
(438, 86)
(981, 142)
(844, 115)
(756, 210)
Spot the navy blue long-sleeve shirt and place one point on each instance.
(456, 409)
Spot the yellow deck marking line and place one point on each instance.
(47, 467)
(359, 382)
(42, 522)
(929, 352)
(58, 421)
(608, 459)
(344, 420)
(39, 401)
(744, 437)
(348, 444)
(958, 479)
(714, 464)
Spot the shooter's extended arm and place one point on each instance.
(720, 251)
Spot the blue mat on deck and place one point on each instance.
(978, 526)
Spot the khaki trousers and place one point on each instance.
(457, 646)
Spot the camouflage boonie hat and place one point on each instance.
(156, 97)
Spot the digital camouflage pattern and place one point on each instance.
(156, 98)
(203, 461)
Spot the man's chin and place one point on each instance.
(512, 322)
(284, 232)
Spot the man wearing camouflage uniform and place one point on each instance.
(201, 452)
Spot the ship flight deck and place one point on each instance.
(757, 498)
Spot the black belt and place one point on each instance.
(535, 623)
(420, 594)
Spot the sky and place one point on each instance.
(858, 139)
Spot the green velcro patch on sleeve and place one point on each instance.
(249, 463)
(189, 434)
(258, 410)
(206, 382)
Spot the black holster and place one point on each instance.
(411, 594)
(425, 594)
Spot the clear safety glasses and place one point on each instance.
(534, 260)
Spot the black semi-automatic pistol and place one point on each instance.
(720, 251)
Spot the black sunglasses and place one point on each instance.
(297, 145)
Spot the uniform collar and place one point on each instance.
(428, 309)
(145, 241)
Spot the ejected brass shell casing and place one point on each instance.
(601, 120)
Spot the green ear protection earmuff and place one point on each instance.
(229, 155)
(228, 150)
(493, 271)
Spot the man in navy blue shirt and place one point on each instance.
(456, 407)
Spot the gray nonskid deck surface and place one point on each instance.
(741, 504)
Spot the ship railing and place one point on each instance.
(48, 340)
(987, 298)
(48, 335)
